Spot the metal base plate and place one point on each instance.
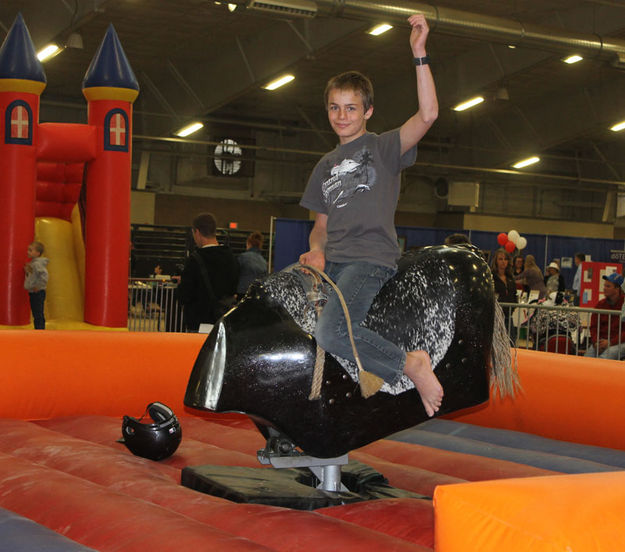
(290, 488)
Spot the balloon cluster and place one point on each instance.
(511, 241)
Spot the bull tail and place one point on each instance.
(504, 376)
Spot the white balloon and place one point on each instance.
(522, 243)
(514, 236)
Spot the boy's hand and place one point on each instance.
(419, 34)
(316, 259)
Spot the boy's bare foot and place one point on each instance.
(419, 369)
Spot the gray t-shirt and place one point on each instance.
(357, 186)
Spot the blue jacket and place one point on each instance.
(252, 266)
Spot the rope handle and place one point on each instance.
(369, 383)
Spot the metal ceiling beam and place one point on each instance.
(484, 27)
(558, 119)
(611, 3)
(145, 79)
(324, 137)
(267, 54)
(245, 59)
(443, 166)
(46, 23)
(185, 85)
(605, 160)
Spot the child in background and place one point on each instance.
(36, 282)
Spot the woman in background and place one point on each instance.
(532, 277)
(518, 266)
(505, 287)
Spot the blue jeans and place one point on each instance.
(359, 283)
(37, 300)
(613, 352)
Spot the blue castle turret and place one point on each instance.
(109, 75)
(20, 70)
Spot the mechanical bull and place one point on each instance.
(259, 358)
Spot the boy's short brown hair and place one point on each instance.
(38, 246)
(351, 80)
(205, 224)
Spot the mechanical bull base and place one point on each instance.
(259, 358)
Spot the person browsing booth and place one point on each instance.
(354, 191)
(607, 332)
(554, 281)
(209, 279)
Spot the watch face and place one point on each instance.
(228, 157)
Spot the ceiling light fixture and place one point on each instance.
(281, 81)
(232, 7)
(469, 103)
(189, 129)
(526, 162)
(572, 59)
(502, 93)
(301, 8)
(618, 126)
(74, 40)
(379, 29)
(48, 52)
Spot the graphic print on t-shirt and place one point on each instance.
(349, 177)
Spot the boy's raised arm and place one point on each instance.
(415, 128)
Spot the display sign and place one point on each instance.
(591, 288)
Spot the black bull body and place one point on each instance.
(259, 358)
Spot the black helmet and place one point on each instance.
(157, 440)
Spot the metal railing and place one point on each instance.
(562, 329)
(153, 306)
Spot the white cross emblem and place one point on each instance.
(118, 130)
(19, 122)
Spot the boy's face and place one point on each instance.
(610, 290)
(32, 252)
(347, 115)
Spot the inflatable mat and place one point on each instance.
(551, 454)
(62, 467)
(18, 534)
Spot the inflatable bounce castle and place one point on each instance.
(46, 167)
